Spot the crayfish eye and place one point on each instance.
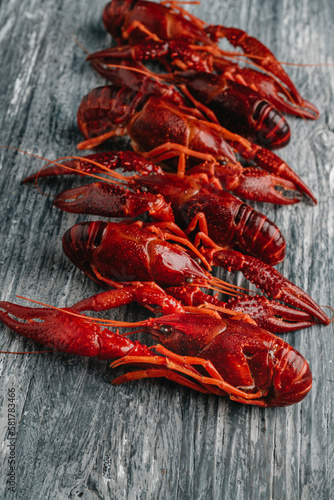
(189, 280)
(166, 329)
(144, 189)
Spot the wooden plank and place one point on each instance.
(78, 437)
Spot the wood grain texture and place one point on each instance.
(79, 437)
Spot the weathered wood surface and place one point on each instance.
(79, 437)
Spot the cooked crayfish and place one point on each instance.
(128, 252)
(204, 352)
(191, 200)
(142, 22)
(238, 108)
(159, 127)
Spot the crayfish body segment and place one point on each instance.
(230, 222)
(239, 108)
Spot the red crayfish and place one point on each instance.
(239, 108)
(206, 353)
(158, 126)
(111, 253)
(207, 345)
(143, 22)
(189, 200)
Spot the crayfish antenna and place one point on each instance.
(222, 286)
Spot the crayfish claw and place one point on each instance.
(308, 110)
(14, 315)
(258, 185)
(278, 325)
(271, 282)
(295, 296)
(272, 316)
(38, 324)
(109, 200)
(272, 163)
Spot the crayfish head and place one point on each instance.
(186, 334)
(172, 266)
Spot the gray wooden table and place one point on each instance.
(76, 435)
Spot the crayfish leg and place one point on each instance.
(215, 377)
(160, 373)
(184, 365)
(261, 403)
(140, 26)
(171, 149)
